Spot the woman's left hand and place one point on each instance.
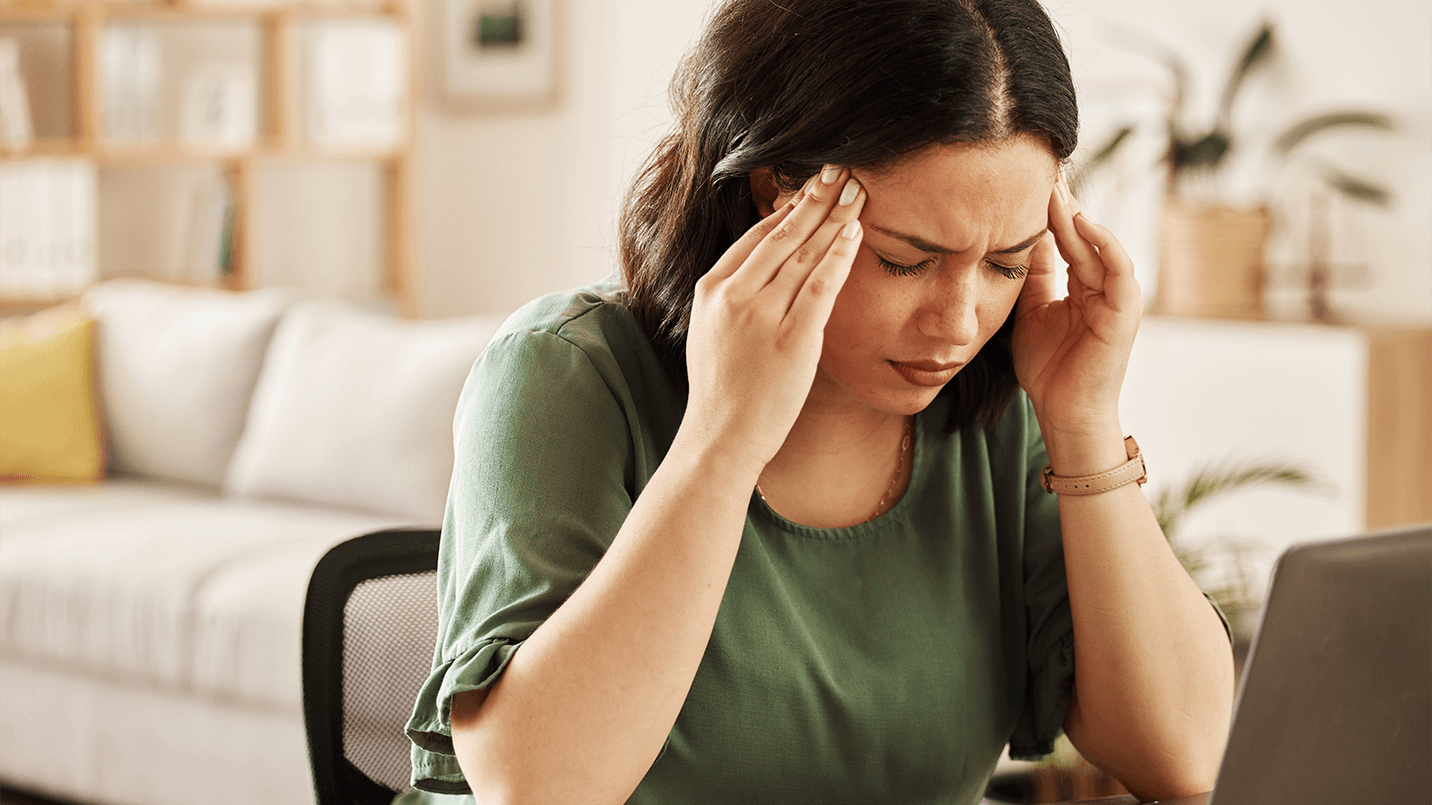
(1070, 354)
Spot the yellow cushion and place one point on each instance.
(49, 412)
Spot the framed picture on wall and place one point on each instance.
(500, 52)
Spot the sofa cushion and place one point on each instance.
(36, 503)
(49, 411)
(355, 409)
(142, 590)
(177, 366)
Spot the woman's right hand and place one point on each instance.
(758, 320)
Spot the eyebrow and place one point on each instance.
(933, 248)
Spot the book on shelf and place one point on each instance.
(131, 71)
(211, 233)
(262, 4)
(220, 107)
(47, 228)
(356, 83)
(16, 128)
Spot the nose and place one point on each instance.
(951, 312)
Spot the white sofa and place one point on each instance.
(150, 623)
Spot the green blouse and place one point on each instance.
(885, 662)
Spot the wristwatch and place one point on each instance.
(1131, 471)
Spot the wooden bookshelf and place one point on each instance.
(1399, 426)
(279, 134)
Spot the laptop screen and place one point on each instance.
(1336, 698)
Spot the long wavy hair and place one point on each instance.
(797, 84)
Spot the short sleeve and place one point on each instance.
(541, 484)
(1049, 624)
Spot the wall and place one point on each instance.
(1326, 60)
(518, 204)
(515, 204)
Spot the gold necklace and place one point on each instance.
(894, 480)
(899, 468)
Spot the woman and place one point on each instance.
(765, 520)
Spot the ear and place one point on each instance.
(767, 194)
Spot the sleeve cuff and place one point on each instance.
(435, 767)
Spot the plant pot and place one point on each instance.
(1211, 260)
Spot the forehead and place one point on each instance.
(957, 194)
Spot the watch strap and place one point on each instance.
(1131, 471)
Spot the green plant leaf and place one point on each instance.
(1211, 482)
(1103, 155)
(1304, 129)
(1260, 47)
(1206, 152)
(1357, 189)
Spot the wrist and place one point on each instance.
(713, 459)
(1085, 451)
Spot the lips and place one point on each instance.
(926, 373)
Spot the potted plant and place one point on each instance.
(1066, 775)
(1211, 252)
(1235, 591)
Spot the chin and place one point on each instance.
(920, 402)
(903, 402)
(887, 394)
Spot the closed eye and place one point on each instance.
(1010, 272)
(900, 270)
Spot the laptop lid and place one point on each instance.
(1336, 700)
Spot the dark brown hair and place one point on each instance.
(799, 84)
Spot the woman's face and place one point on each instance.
(948, 236)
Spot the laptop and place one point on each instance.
(1335, 705)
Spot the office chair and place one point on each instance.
(369, 626)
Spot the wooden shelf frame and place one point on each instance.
(279, 137)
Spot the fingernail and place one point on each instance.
(852, 189)
(850, 230)
(829, 174)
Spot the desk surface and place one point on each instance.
(1195, 799)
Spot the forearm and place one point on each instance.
(1153, 665)
(585, 705)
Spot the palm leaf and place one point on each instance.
(1212, 482)
(1103, 155)
(1355, 188)
(1258, 50)
(1302, 130)
(1206, 152)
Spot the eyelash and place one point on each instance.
(898, 270)
(903, 271)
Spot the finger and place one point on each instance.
(812, 305)
(793, 272)
(741, 250)
(821, 194)
(1082, 258)
(1040, 287)
(1120, 285)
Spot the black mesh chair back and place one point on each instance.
(369, 628)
